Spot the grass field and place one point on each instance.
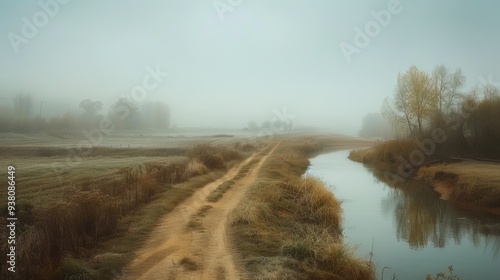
(129, 139)
(84, 215)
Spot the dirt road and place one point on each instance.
(191, 242)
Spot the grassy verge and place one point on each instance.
(288, 227)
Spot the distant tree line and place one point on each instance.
(275, 125)
(123, 113)
(375, 125)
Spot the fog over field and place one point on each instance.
(326, 63)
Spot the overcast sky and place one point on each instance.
(236, 64)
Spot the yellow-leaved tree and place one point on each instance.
(415, 101)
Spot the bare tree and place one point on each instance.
(448, 86)
(491, 92)
(399, 118)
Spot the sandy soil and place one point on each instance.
(177, 251)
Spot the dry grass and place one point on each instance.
(217, 194)
(359, 155)
(288, 227)
(469, 184)
(214, 157)
(51, 152)
(73, 269)
(195, 168)
(244, 147)
(246, 168)
(45, 179)
(189, 264)
(195, 220)
(134, 226)
(75, 211)
(475, 184)
(386, 154)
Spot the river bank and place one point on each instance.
(471, 184)
(289, 227)
(407, 227)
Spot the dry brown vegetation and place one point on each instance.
(288, 227)
(385, 155)
(463, 165)
(70, 218)
(472, 184)
(195, 220)
(189, 264)
(213, 157)
(444, 125)
(54, 152)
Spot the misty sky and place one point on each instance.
(263, 55)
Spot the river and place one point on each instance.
(413, 233)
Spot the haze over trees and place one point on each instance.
(447, 86)
(22, 105)
(156, 115)
(275, 125)
(421, 98)
(124, 113)
(375, 125)
(423, 103)
(90, 108)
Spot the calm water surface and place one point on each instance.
(412, 231)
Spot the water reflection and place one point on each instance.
(422, 219)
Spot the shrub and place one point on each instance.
(194, 168)
(208, 155)
(386, 154)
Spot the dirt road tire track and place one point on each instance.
(175, 250)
